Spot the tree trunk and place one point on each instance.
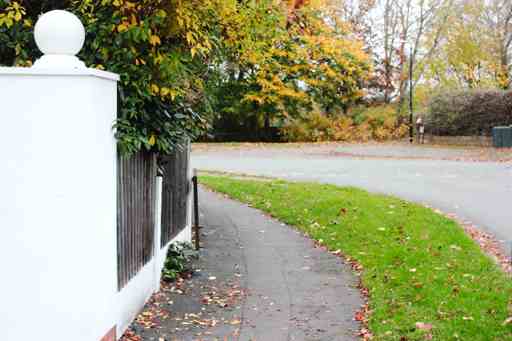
(267, 127)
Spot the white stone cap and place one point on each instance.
(23, 71)
(60, 35)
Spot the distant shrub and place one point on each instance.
(469, 112)
(362, 124)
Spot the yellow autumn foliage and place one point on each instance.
(377, 123)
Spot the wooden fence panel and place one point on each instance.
(135, 213)
(175, 193)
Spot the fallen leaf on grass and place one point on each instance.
(423, 326)
(365, 334)
(507, 321)
(455, 247)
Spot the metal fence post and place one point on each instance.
(196, 211)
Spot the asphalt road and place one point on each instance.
(480, 192)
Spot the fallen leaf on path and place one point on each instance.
(359, 316)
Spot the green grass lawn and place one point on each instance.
(419, 266)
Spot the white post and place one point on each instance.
(57, 192)
(158, 234)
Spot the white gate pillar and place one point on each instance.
(58, 238)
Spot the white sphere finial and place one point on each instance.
(60, 35)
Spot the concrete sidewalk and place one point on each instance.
(295, 291)
(255, 280)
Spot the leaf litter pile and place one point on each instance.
(493, 247)
(197, 306)
(422, 274)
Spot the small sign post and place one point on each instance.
(196, 211)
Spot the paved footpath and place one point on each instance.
(255, 280)
(295, 291)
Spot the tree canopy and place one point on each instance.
(185, 63)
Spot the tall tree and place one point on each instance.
(306, 57)
(408, 29)
(496, 17)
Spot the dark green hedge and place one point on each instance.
(472, 112)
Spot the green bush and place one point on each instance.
(178, 261)
(473, 112)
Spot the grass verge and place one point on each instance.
(418, 266)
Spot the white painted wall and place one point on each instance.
(131, 299)
(57, 204)
(58, 236)
(58, 227)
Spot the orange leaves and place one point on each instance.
(312, 66)
(133, 20)
(293, 7)
(155, 89)
(295, 4)
(193, 25)
(190, 38)
(359, 316)
(155, 40)
(318, 126)
(124, 5)
(123, 27)
(169, 93)
(164, 92)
